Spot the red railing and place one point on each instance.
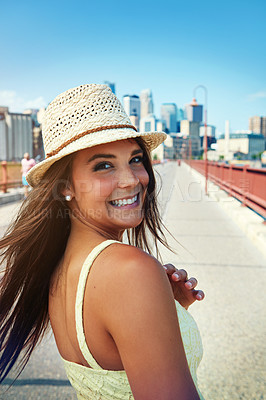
(246, 184)
(10, 175)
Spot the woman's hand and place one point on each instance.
(183, 288)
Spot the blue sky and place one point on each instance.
(167, 46)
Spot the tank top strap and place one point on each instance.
(80, 300)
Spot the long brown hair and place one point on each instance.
(31, 250)
(152, 220)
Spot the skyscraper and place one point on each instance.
(211, 130)
(132, 107)
(146, 103)
(258, 125)
(134, 121)
(189, 128)
(194, 111)
(38, 150)
(180, 114)
(263, 126)
(169, 115)
(148, 123)
(255, 124)
(131, 104)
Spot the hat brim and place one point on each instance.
(151, 139)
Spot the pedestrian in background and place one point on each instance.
(119, 318)
(26, 164)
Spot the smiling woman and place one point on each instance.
(112, 309)
(111, 179)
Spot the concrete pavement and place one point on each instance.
(232, 272)
(232, 320)
(13, 195)
(248, 220)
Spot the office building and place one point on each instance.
(134, 121)
(258, 125)
(169, 150)
(34, 115)
(194, 111)
(210, 136)
(146, 103)
(182, 147)
(131, 104)
(263, 126)
(37, 143)
(248, 144)
(181, 114)
(189, 128)
(211, 130)
(16, 135)
(169, 115)
(160, 125)
(255, 124)
(148, 123)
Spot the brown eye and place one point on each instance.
(137, 160)
(102, 166)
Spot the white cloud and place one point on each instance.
(38, 103)
(257, 95)
(9, 98)
(15, 103)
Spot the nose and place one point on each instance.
(127, 178)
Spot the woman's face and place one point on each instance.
(109, 184)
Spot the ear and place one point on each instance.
(67, 192)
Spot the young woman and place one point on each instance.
(111, 305)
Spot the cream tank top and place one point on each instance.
(96, 383)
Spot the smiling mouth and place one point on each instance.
(134, 200)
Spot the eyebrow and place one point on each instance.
(102, 155)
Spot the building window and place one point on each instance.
(147, 127)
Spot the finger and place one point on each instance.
(199, 294)
(191, 283)
(169, 268)
(179, 275)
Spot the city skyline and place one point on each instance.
(169, 49)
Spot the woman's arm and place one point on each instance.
(141, 317)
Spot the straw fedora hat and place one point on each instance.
(83, 117)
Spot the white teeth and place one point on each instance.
(123, 202)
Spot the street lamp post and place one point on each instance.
(205, 141)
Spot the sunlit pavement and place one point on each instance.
(232, 272)
(232, 318)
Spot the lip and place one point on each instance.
(126, 206)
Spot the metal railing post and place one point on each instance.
(245, 185)
(4, 174)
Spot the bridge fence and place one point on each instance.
(242, 182)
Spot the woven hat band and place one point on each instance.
(76, 137)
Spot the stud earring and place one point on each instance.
(68, 197)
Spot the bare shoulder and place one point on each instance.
(123, 257)
(132, 277)
(126, 266)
